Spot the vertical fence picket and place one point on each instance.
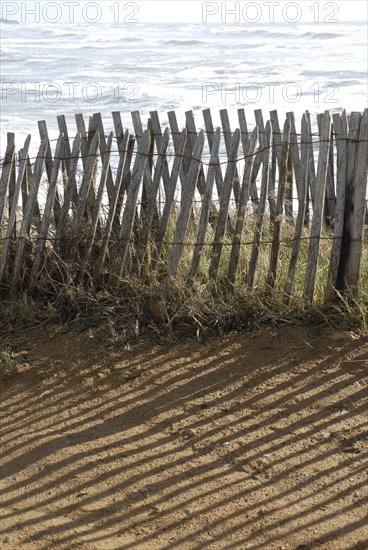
(170, 195)
(354, 213)
(192, 136)
(228, 141)
(46, 219)
(242, 206)
(185, 165)
(275, 163)
(354, 120)
(126, 148)
(7, 171)
(158, 137)
(319, 201)
(67, 151)
(267, 143)
(340, 126)
(97, 206)
(87, 138)
(186, 206)
(276, 240)
(293, 169)
(210, 133)
(330, 198)
(224, 205)
(311, 171)
(206, 205)
(87, 181)
(147, 221)
(104, 150)
(131, 203)
(70, 195)
(108, 230)
(244, 134)
(13, 208)
(302, 186)
(28, 212)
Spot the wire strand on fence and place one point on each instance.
(165, 155)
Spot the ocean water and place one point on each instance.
(48, 70)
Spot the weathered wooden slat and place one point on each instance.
(81, 128)
(258, 158)
(192, 136)
(170, 194)
(340, 126)
(63, 128)
(25, 184)
(88, 178)
(302, 186)
(293, 169)
(206, 205)
(30, 177)
(330, 199)
(224, 205)
(158, 137)
(42, 128)
(187, 155)
(151, 207)
(316, 228)
(96, 209)
(294, 155)
(122, 139)
(110, 186)
(242, 207)
(119, 130)
(97, 274)
(29, 211)
(210, 133)
(244, 134)
(147, 177)
(354, 214)
(131, 203)
(6, 174)
(267, 142)
(354, 120)
(46, 219)
(125, 182)
(64, 223)
(275, 164)
(276, 137)
(227, 138)
(276, 240)
(272, 185)
(312, 167)
(87, 138)
(14, 207)
(186, 206)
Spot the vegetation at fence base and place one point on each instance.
(8, 364)
(145, 301)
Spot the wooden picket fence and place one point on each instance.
(205, 204)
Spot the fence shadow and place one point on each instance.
(252, 441)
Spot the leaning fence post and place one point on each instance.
(47, 212)
(354, 212)
(340, 132)
(13, 207)
(8, 169)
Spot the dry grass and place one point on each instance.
(143, 299)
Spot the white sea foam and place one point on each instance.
(289, 67)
